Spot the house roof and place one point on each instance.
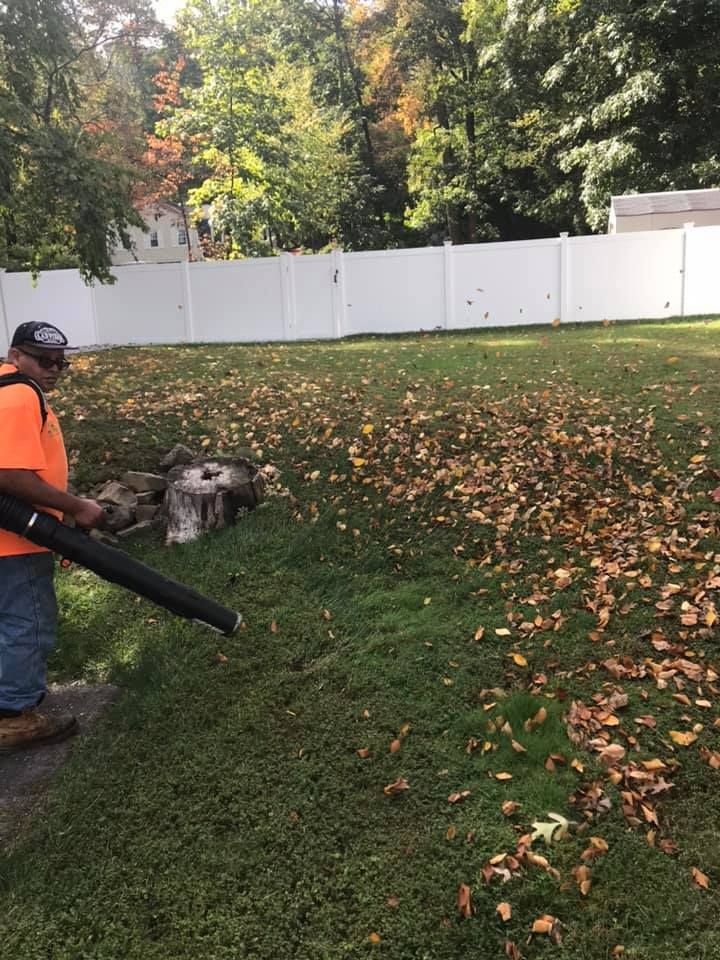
(672, 201)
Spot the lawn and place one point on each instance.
(483, 591)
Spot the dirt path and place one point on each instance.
(25, 776)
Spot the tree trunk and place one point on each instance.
(207, 495)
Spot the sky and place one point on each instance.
(166, 9)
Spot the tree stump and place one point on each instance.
(207, 495)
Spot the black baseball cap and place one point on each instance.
(36, 333)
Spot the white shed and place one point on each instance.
(664, 211)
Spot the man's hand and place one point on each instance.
(88, 513)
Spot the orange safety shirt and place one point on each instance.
(26, 445)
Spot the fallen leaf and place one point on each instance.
(503, 776)
(374, 938)
(464, 901)
(543, 924)
(363, 753)
(700, 878)
(684, 739)
(509, 807)
(393, 901)
(395, 746)
(459, 796)
(519, 659)
(273, 627)
(505, 911)
(397, 787)
(451, 832)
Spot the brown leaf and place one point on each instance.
(393, 901)
(509, 807)
(374, 937)
(543, 924)
(395, 746)
(397, 787)
(700, 878)
(458, 796)
(505, 911)
(273, 627)
(363, 753)
(503, 776)
(464, 901)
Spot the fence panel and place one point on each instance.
(506, 284)
(702, 270)
(58, 297)
(625, 276)
(145, 305)
(237, 301)
(394, 291)
(313, 288)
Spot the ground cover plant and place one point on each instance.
(474, 710)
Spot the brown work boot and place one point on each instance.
(34, 729)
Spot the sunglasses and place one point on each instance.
(47, 363)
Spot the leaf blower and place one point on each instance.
(73, 544)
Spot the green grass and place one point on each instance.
(222, 811)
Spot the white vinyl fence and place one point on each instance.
(662, 273)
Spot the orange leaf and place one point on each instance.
(273, 627)
(519, 659)
(397, 787)
(700, 878)
(543, 924)
(684, 739)
(374, 938)
(363, 753)
(464, 901)
(509, 807)
(395, 746)
(505, 911)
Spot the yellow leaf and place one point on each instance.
(556, 322)
(359, 461)
(505, 911)
(368, 428)
(517, 747)
(519, 659)
(503, 776)
(374, 937)
(502, 632)
(451, 833)
(427, 601)
(684, 739)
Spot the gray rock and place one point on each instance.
(146, 511)
(118, 494)
(103, 537)
(147, 496)
(118, 517)
(179, 454)
(142, 482)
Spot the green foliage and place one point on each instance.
(64, 197)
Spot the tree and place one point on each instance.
(61, 200)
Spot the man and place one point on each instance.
(33, 467)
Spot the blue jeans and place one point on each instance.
(28, 627)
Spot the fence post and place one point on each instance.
(4, 323)
(94, 315)
(564, 277)
(684, 267)
(188, 302)
(449, 275)
(337, 266)
(287, 288)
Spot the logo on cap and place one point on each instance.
(48, 335)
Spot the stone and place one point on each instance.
(178, 455)
(147, 496)
(117, 517)
(141, 527)
(142, 482)
(118, 494)
(146, 511)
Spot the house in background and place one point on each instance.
(664, 211)
(166, 240)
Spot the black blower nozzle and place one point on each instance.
(114, 565)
